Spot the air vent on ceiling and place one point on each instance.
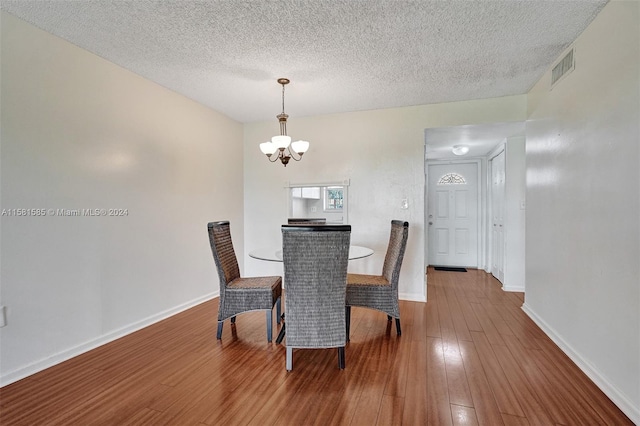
(562, 68)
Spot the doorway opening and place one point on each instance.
(453, 213)
(319, 200)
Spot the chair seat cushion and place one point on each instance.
(255, 283)
(370, 280)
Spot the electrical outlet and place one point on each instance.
(405, 204)
(313, 209)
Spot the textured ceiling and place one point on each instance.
(340, 55)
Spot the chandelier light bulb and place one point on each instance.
(268, 148)
(300, 146)
(281, 142)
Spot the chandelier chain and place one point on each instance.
(283, 98)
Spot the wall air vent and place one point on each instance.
(562, 68)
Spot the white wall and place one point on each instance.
(382, 153)
(582, 221)
(77, 133)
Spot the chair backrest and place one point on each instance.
(307, 220)
(223, 253)
(315, 274)
(395, 252)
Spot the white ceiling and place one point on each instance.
(341, 55)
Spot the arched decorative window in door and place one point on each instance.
(452, 179)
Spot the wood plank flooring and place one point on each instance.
(469, 356)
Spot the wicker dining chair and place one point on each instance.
(237, 294)
(381, 291)
(315, 271)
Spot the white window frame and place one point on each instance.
(325, 200)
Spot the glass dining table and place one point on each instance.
(274, 254)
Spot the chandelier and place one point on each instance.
(283, 142)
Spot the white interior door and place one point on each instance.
(453, 214)
(497, 216)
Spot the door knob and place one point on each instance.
(430, 223)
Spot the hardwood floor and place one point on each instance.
(469, 356)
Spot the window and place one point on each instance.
(333, 198)
(452, 179)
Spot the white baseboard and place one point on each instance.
(617, 397)
(28, 370)
(513, 288)
(412, 297)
